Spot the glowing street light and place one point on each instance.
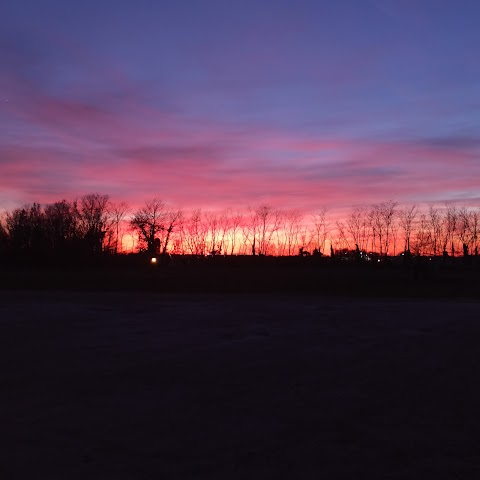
(153, 260)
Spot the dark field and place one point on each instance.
(138, 385)
(456, 278)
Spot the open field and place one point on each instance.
(139, 385)
(269, 275)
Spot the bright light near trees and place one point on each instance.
(153, 261)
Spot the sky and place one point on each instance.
(220, 103)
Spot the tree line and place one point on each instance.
(94, 225)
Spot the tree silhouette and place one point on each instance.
(93, 225)
(3, 239)
(292, 225)
(26, 230)
(322, 229)
(62, 225)
(93, 221)
(117, 212)
(450, 228)
(154, 224)
(268, 222)
(407, 217)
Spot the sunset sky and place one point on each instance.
(212, 104)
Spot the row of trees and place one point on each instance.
(386, 228)
(87, 226)
(94, 224)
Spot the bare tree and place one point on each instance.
(407, 218)
(382, 216)
(94, 220)
(172, 218)
(150, 222)
(463, 229)
(422, 237)
(475, 227)
(358, 227)
(435, 228)
(388, 210)
(215, 224)
(268, 221)
(118, 211)
(196, 233)
(306, 239)
(26, 229)
(467, 229)
(394, 235)
(62, 224)
(235, 220)
(3, 237)
(450, 228)
(341, 241)
(292, 226)
(224, 226)
(133, 234)
(250, 229)
(322, 228)
(259, 227)
(280, 239)
(377, 226)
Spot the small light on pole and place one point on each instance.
(153, 260)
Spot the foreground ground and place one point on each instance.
(269, 275)
(113, 386)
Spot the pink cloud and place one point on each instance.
(202, 176)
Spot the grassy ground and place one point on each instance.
(428, 280)
(136, 385)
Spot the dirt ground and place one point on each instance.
(140, 386)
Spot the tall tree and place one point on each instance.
(450, 228)
(214, 235)
(173, 217)
(322, 227)
(195, 233)
(388, 211)
(62, 223)
(464, 230)
(26, 229)
(475, 226)
(357, 226)
(268, 221)
(382, 216)
(154, 223)
(94, 221)
(118, 212)
(435, 228)
(3, 238)
(292, 226)
(235, 222)
(407, 217)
